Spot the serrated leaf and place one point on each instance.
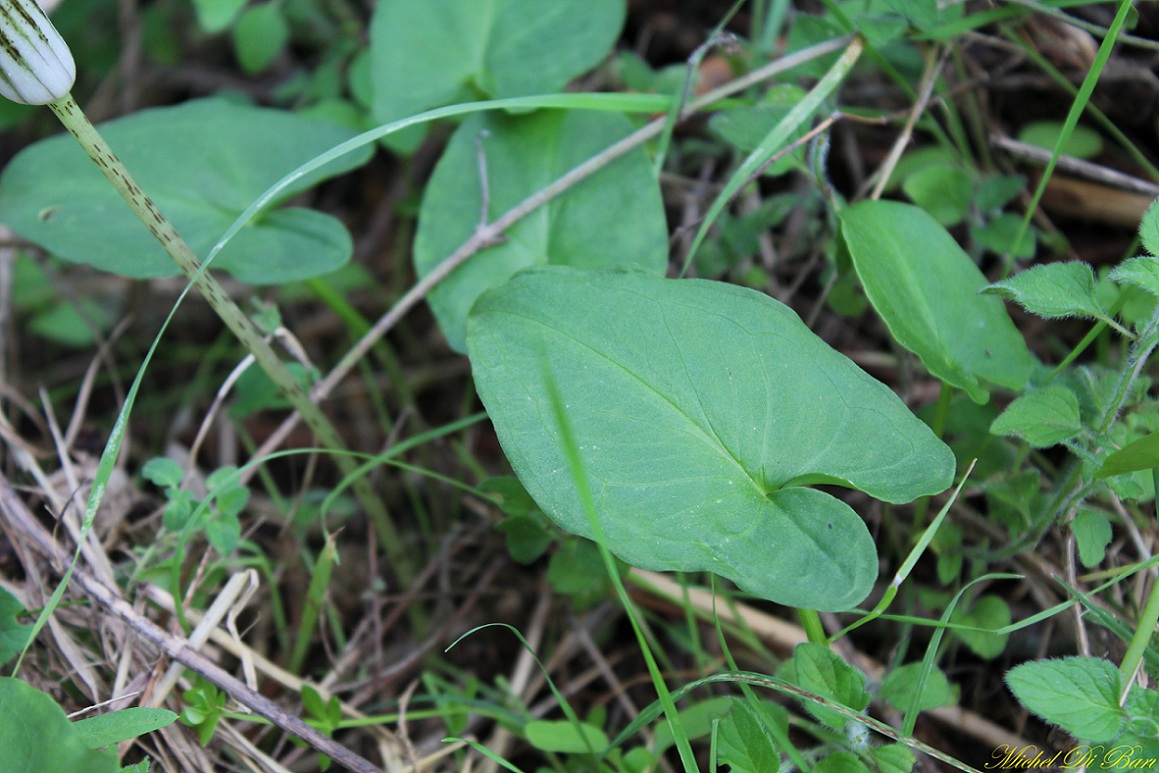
(1149, 228)
(701, 410)
(54, 196)
(926, 290)
(1080, 695)
(745, 742)
(1141, 272)
(564, 737)
(822, 672)
(1053, 290)
(1141, 454)
(1092, 534)
(117, 726)
(840, 762)
(893, 758)
(37, 737)
(613, 218)
(1043, 418)
(427, 53)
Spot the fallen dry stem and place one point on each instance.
(13, 509)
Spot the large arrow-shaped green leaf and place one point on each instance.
(701, 410)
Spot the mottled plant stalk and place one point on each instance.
(74, 119)
(37, 68)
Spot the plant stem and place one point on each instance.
(74, 119)
(811, 622)
(942, 410)
(1147, 622)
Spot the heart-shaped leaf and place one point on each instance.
(613, 218)
(701, 411)
(925, 287)
(427, 53)
(203, 163)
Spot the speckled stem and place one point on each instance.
(74, 119)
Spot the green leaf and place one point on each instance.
(995, 192)
(163, 472)
(203, 163)
(747, 127)
(1141, 272)
(744, 742)
(942, 191)
(998, 235)
(725, 407)
(893, 758)
(425, 54)
(821, 671)
(259, 36)
(216, 15)
(840, 762)
(989, 613)
(564, 737)
(223, 533)
(13, 635)
(527, 538)
(900, 684)
(1043, 418)
(614, 218)
(926, 290)
(577, 569)
(1141, 454)
(512, 498)
(696, 720)
(1142, 729)
(117, 726)
(1149, 228)
(1053, 290)
(1092, 533)
(1083, 142)
(37, 737)
(1080, 695)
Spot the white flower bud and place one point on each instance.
(36, 66)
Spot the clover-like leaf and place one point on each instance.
(702, 411)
